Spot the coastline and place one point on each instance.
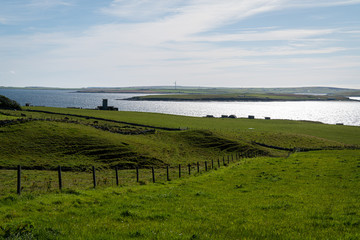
(196, 98)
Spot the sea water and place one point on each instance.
(330, 112)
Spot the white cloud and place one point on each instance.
(343, 62)
(3, 20)
(196, 17)
(276, 35)
(320, 3)
(141, 10)
(48, 3)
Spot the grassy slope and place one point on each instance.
(48, 144)
(235, 127)
(306, 196)
(44, 144)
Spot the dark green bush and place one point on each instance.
(6, 103)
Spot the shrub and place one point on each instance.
(6, 103)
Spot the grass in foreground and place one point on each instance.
(306, 196)
(46, 181)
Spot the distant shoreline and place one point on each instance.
(123, 91)
(226, 100)
(238, 98)
(219, 94)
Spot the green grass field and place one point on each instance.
(78, 144)
(268, 194)
(306, 196)
(233, 127)
(6, 117)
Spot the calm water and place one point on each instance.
(326, 112)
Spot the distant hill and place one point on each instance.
(223, 90)
(206, 90)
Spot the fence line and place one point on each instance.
(205, 168)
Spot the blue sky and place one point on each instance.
(215, 43)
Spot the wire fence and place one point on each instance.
(51, 180)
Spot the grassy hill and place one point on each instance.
(268, 194)
(47, 140)
(41, 144)
(45, 145)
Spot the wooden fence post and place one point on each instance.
(137, 174)
(94, 176)
(219, 162)
(153, 174)
(117, 176)
(212, 163)
(179, 170)
(205, 166)
(167, 173)
(19, 179)
(198, 167)
(60, 178)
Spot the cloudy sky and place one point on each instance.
(229, 43)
